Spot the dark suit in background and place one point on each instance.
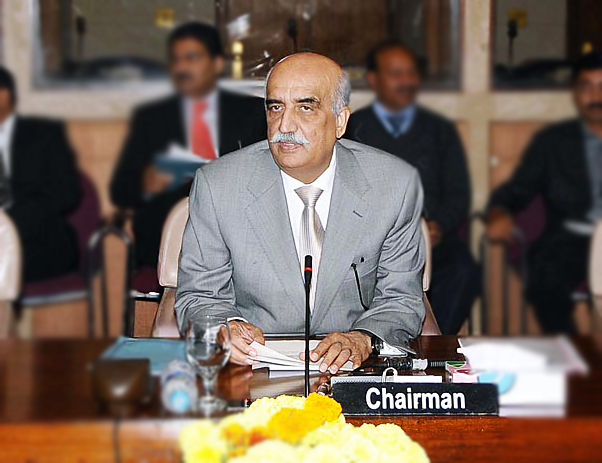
(45, 188)
(431, 144)
(153, 128)
(555, 167)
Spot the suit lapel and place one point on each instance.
(577, 161)
(177, 128)
(268, 215)
(346, 217)
(18, 150)
(574, 162)
(230, 131)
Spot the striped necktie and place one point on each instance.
(311, 237)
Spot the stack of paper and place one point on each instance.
(280, 354)
(531, 373)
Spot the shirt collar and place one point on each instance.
(210, 99)
(324, 182)
(589, 135)
(7, 126)
(383, 113)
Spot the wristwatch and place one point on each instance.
(377, 345)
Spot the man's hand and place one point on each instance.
(499, 226)
(435, 232)
(243, 334)
(155, 182)
(338, 348)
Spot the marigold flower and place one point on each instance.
(291, 429)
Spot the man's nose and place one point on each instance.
(288, 122)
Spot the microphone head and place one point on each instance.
(307, 270)
(308, 263)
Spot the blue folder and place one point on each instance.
(159, 351)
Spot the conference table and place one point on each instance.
(48, 412)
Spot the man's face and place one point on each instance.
(194, 71)
(302, 128)
(396, 80)
(587, 93)
(6, 103)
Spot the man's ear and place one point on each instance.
(219, 64)
(342, 119)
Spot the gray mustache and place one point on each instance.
(289, 137)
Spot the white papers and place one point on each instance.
(389, 351)
(530, 373)
(497, 356)
(283, 354)
(176, 152)
(523, 354)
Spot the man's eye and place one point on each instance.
(275, 107)
(306, 108)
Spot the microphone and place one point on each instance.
(307, 271)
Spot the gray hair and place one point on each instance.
(342, 93)
(340, 97)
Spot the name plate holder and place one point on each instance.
(388, 395)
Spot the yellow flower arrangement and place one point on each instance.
(291, 429)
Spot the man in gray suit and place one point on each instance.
(256, 213)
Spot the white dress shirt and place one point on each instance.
(6, 136)
(211, 117)
(295, 204)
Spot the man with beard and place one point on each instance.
(198, 124)
(396, 124)
(563, 164)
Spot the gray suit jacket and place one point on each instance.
(239, 258)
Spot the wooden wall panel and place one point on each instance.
(508, 142)
(98, 145)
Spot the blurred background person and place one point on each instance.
(396, 124)
(40, 186)
(197, 124)
(39, 174)
(563, 164)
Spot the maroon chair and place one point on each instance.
(145, 283)
(73, 286)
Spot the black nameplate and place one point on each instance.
(416, 398)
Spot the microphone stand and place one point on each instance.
(307, 271)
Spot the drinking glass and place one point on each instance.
(208, 350)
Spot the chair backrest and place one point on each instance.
(11, 262)
(426, 275)
(595, 266)
(429, 326)
(85, 219)
(531, 223)
(171, 245)
(167, 270)
(10, 273)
